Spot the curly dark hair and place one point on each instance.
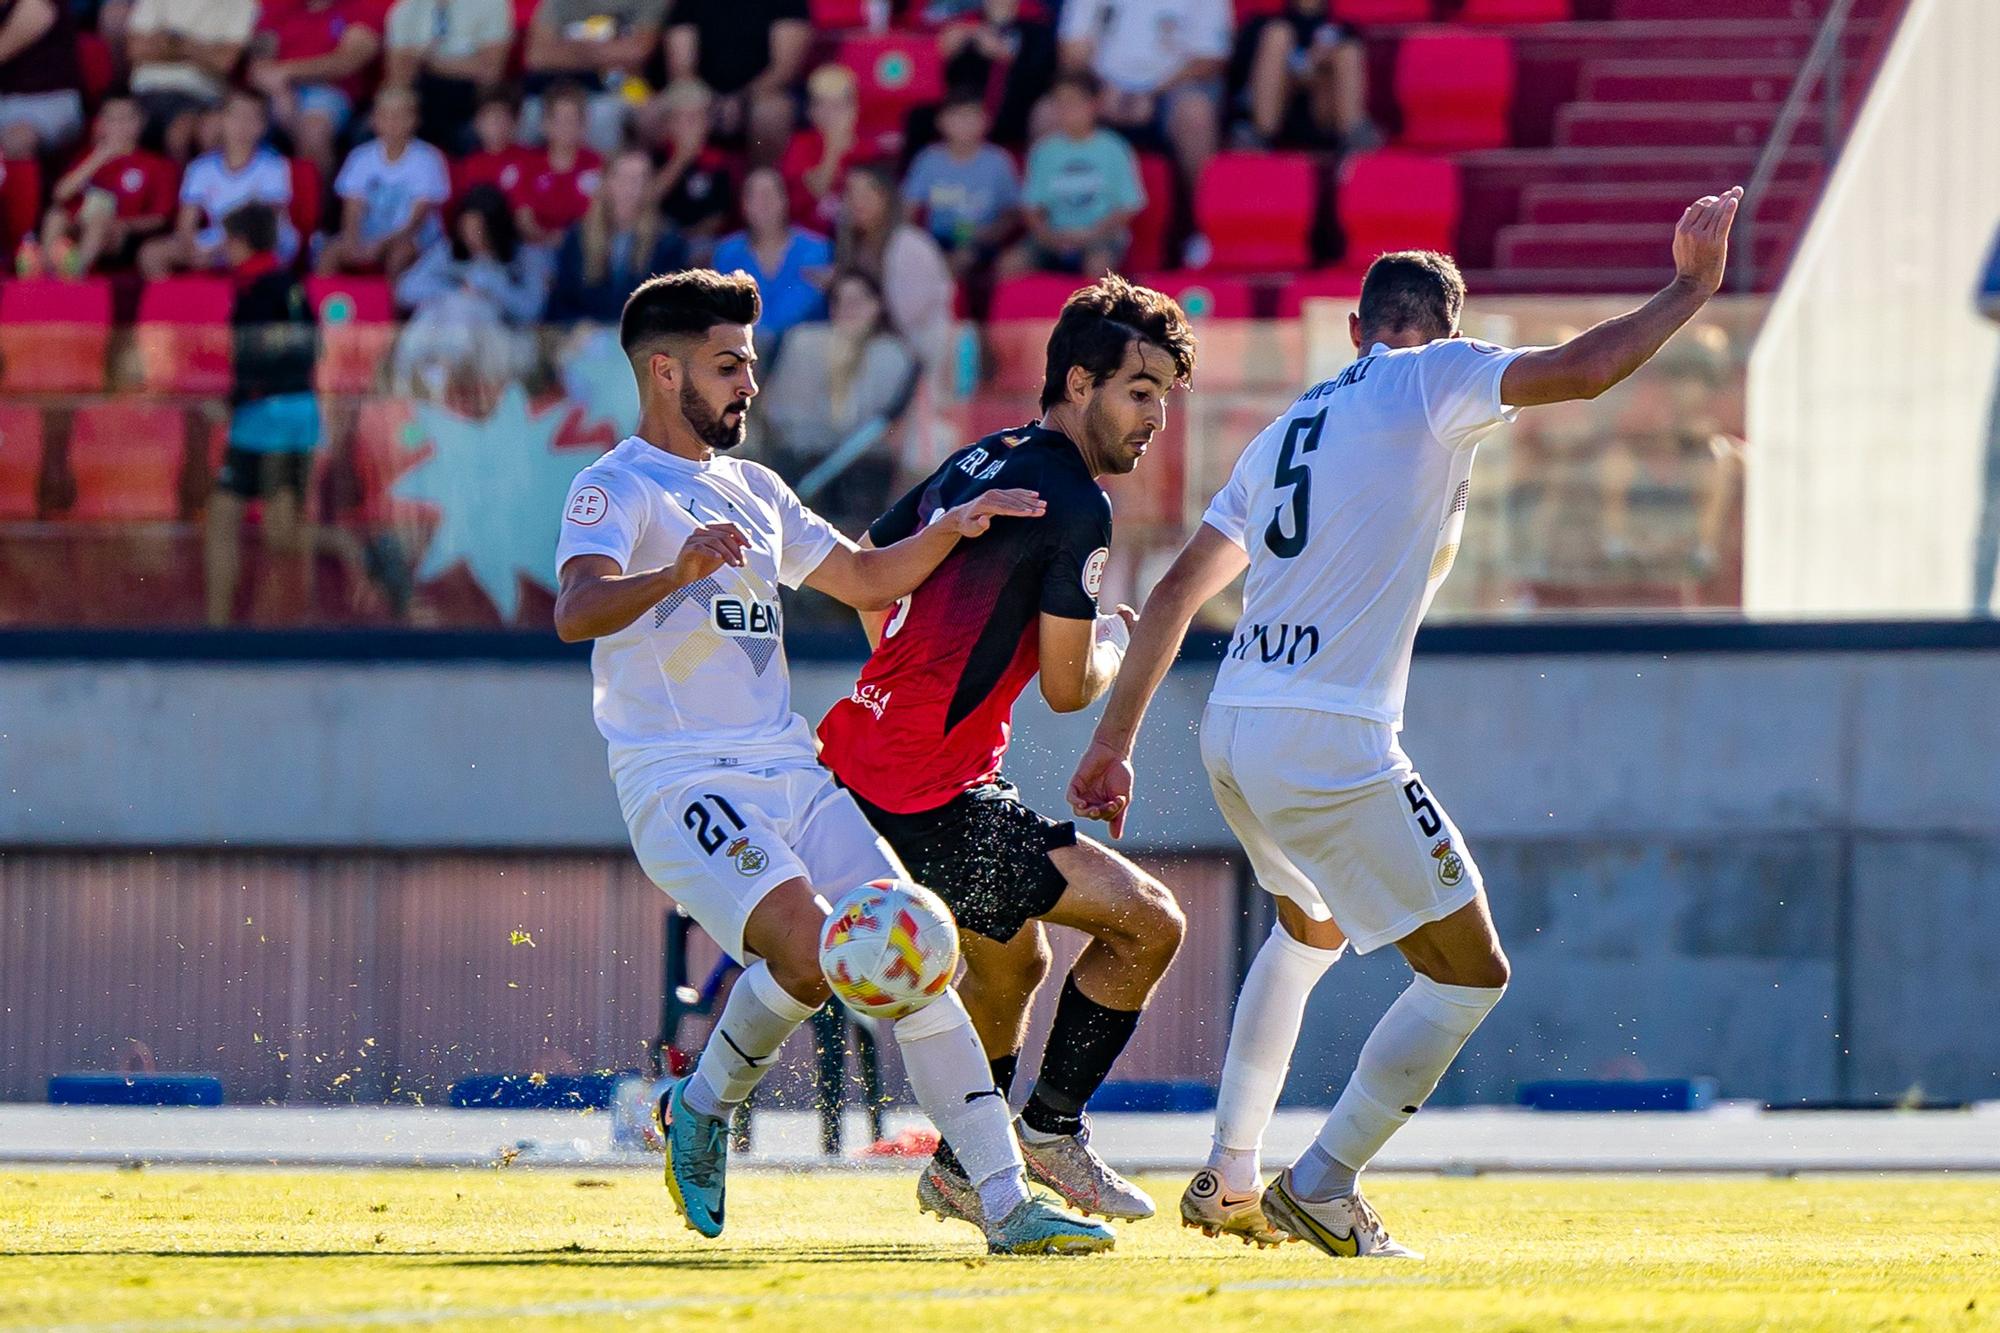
(687, 304)
(1099, 322)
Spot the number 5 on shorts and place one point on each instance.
(1428, 819)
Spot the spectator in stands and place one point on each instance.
(694, 183)
(604, 45)
(450, 52)
(499, 159)
(788, 262)
(816, 161)
(183, 53)
(963, 187)
(242, 171)
(117, 196)
(391, 190)
(1162, 64)
(620, 243)
(41, 109)
(751, 54)
(472, 298)
(313, 58)
(557, 182)
(274, 423)
(1303, 56)
(1007, 57)
(1082, 190)
(901, 257)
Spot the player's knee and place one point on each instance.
(797, 971)
(1151, 926)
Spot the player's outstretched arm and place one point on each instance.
(868, 579)
(1102, 786)
(1600, 357)
(597, 597)
(1080, 658)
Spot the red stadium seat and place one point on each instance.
(357, 329)
(896, 72)
(1455, 89)
(126, 456)
(308, 200)
(1149, 229)
(183, 336)
(1032, 296)
(1515, 11)
(1247, 10)
(20, 459)
(1257, 210)
(837, 15)
(1382, 11)
(96, 66)
(53, 335)
(1391, 200)
(20, 200)
(1328, 284)
(1203, 295)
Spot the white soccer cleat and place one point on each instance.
(1072, 1168)
(1346, 1228)
(1208, 1205)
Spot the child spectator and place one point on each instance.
(1303, 55)
(499, 159)
(558, 182)
(241, 171)
(694, 183)
(1162, 62)
(313, 59)
(449, 52)
(1005, 55)
(964, 188)
(788, 262)
(620, 243)
(605, 45)
(116, 197)
(904, 261)
(390, 189)
(182, 54)
(1082, 190)
(41, 109)
(472, 297)
(817, 159)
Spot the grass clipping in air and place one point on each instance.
(442, 1249)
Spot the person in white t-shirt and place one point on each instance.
(243, 170)
(670, 557)
(1347, 511)
(391, 190)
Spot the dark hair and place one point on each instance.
(1099, 322)
(256, 225)
(687, 304)
(502, 95)
(490, 203)
(248, 95)
(566, 91)
(960, 96)
(1415, 290)
(1082, 80)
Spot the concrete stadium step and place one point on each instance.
(1562, 203)
(1605, 246)
(1721, 9)
(1675, 125)
(1688, 80)
(1716, 39)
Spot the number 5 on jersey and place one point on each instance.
(1301, 437)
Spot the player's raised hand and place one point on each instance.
(708, 549)
(1102, 786)
(1701, 240)
(972, 518)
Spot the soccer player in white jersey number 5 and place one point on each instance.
(1347, 512)
(671, 555)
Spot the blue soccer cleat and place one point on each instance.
(1038, 1226)
(697, 1160)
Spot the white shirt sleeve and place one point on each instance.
(604, 515)
(356, 176)
(804, 537)
(1082, 20)
(1229, 512)
(1459, 379)
(1210, 37)
(434, 178)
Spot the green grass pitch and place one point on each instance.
(833, 1251)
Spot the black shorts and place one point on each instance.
(983, 852)
(256, 475)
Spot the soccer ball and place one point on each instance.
(889, 948)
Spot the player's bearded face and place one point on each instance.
(719, 425)
(1125, 411)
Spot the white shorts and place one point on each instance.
(1334, 818)
(718, 839)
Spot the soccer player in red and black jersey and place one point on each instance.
(920, 740)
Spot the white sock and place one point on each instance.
(954, 1084)
(759, 1016)
(1400, 1065)
(1269, 1011)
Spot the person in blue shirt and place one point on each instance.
(622, 241)
(964, 188)
(790, 264)
(1986, 546)
(1083, 188)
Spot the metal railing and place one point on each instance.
(1825, 64)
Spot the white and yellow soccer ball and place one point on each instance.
(889, 948)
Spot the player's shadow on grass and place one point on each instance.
(748, 1256)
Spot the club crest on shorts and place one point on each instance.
(1451, 867)
(749, 859)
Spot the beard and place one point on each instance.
(1115, 453)
(715, 429)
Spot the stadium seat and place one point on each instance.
(1149, 229)
(838, 15)
(96, 66)
(20, 459)
(308, 200)
(20, 200)
(357, 329)
(1515, 11)
(183, 336)
(1246, 10)
(1257, 210)
(895, 72)
(1203, 295)
(1032, 296)
(1382, 11)
(125, 455)
(53, 335)
(1455, 89)
(1392, 200)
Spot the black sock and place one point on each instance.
(1084, 1042)
(1003, 1067)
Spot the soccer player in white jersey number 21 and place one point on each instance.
(670, 556)
(1347, 512)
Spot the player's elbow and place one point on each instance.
(570, 627)
(1064, 699)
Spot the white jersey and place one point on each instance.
(701, 677)
(1350, 506)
